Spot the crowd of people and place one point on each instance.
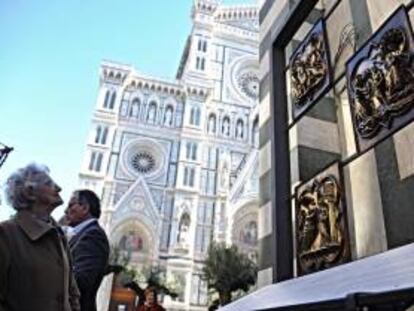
(50, 266)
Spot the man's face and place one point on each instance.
(47, 191)
(77, 211)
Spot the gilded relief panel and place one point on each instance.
(310, 72)
(380, 81)
(321, 234)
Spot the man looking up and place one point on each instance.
(89, 245)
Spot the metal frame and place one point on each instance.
(282, 237)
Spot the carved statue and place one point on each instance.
(168, 116)
(151, 113)
(239, 130)
(319, 234)
(382, 82)
(309, 69)
(224, 171)
(226, 127)
(134, 110)
(184, 228)
(212, 124)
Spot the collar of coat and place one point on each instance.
(32, 226)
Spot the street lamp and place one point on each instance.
(4, 152)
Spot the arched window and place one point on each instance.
(194, 151)
(255, 132)
(98, 162)
(113, 98)
(134, 110)
(152, 112)
(188, 151)
(104, 135)
(195, 116)
(92, 161)
(191, 151)
(106, 101)
(192, 177)
(189, 176)
(211, 126)
(239, 129)
(98, 134)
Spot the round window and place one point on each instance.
(144, 157)
(248, 83)
(143, 162)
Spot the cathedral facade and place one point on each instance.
(176, 161)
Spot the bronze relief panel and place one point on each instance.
(321, 234)
(310, 71)
(380, 81)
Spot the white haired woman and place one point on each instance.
(35, 270)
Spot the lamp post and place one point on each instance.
(4, 152)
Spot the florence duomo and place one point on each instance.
(176, 161)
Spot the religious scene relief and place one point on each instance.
(320, 224)
(381, 81)
(131, 241)
(309, 69)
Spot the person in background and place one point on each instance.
(151, 303)
(88, 245)
(35, 267)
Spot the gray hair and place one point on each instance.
(20, 181)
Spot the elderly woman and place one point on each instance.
(35, 271)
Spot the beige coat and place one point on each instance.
(35, 271)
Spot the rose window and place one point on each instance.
(249, 84)
(143, 162)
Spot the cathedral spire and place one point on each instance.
(207, 7)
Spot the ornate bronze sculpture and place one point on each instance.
(309, 69)
(381, 79)
(320, 225)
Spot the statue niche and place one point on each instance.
(184, 231)
(309, 69)
(381, 80)
(320, 230)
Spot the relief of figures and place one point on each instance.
(309, 70)
(381, 78)
(320, 225)
(131, 242)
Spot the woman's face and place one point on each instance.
(150, 298)
(47, 192)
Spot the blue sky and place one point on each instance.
(50, 53)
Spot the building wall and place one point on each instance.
(177, 167)
(376, 183)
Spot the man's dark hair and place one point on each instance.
(92, 200)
